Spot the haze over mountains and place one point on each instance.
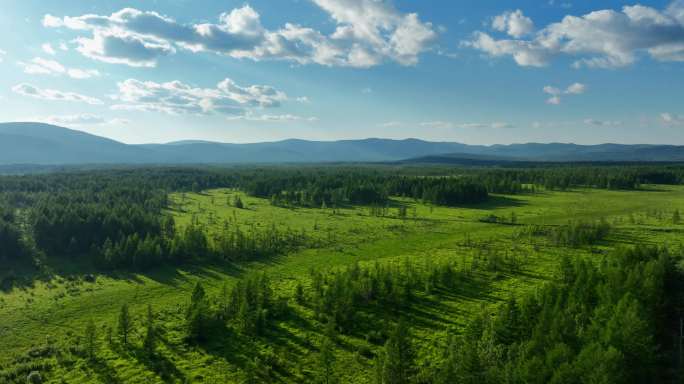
(44, 144)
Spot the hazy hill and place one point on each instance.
(36, 143)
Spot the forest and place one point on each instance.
(371, 273)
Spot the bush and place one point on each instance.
(34, 378)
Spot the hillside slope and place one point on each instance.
(44, 144)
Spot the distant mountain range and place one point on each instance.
(44, 144)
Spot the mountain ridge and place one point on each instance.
(44, 144)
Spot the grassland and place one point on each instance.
(56, 310)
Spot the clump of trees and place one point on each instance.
(574, 234)
(577, 234)
(13, 247)
(339, 296)
(337, 189)
(248, 307)
(597, 323)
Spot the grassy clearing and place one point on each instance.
(57, 311)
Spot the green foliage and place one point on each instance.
(34, 378)
(150, 341)
(598, 324)
(396, 363)
(326, 362)
(237, 202)
(577, 234)
(90, 337)
(124, 324)
(198, 314)
(511, 315)
(13, 248)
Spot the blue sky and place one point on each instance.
(480, 72)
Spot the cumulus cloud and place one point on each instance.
(29, 90)
(2, 53)
(671, 119)
(556, 93)
(367, 33)
(47, 48)
(600, 39)
(514, 23)
(176, 97)
(40, 66)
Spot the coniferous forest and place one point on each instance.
(333, 274)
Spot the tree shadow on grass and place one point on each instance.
(497, 201)
(159, 364)
(104, 372)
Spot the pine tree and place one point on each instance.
(125, 323)
(396, 364)
(91, 339)
(197, 315)
(326, 362)
(299, 293)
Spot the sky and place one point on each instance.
(477, 72)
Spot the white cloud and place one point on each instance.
(602, 123)
(438, 124)
(671, 119)
(176, 97)
(367, 33)
(496, 124)
(576, 89)
(556, 93)
(29, 90)
(80, 120)
(390, 124)
(514, 23)
(47, 48)
(2, 53)
(40, 66)
(272, 118)
(600, 39)
(553, 100)
(303, 100)
(450, 125)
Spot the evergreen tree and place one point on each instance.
(125, 323)
(396, 364)
(326, 362)
(299, 293)
(197, 316)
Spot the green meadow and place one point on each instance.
(53, 310)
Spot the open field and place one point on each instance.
(57, 310)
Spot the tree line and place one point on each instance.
(117, 215)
